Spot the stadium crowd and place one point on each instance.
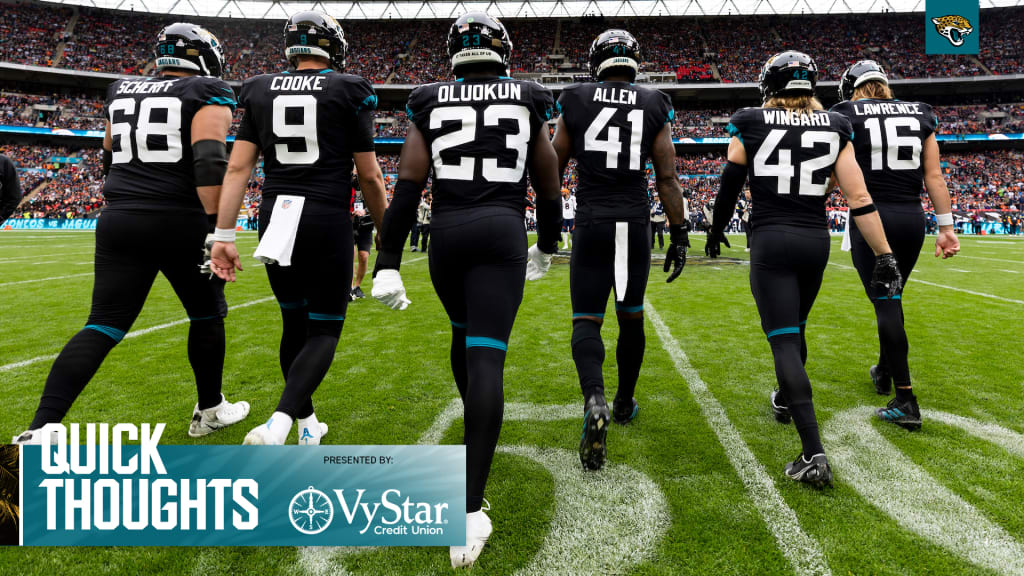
(978, 181)
(726, 49)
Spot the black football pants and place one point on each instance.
(478, 268)
(786, 267)
(904, 226)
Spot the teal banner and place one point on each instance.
(145, 495)
(952, 26)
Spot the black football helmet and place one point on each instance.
(788, 73)
(189, 47)
(858, 74)
(477, 37)
(614, 49)
(313, 33)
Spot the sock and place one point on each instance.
(309, 430)
(308, 370)
(293, 336)
(588, 354)
(893, 345)
(796, 387)
(458, 360)
(206, 355)
(803, 343)
(485, 408)
(279, 425)
(629, 353)
(71, 371)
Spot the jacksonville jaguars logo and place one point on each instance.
(953, 28)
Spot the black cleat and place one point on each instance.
(415, 249)
(357, 293)
(595, 429)
(780, 408)
(903, 413)
(624, 412)
(815, 471)
(881, 379)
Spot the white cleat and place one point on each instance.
(307, 438)
(213, 419)
(478, 530)
(35, 437)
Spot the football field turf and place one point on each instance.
(693, 486)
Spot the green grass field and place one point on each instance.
(695, 484)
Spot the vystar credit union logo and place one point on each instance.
(311, 511)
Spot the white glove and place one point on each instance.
(389, 290)
(537, 263)
(204, 268)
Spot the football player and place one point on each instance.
(789, 148)
(478, 136)
(164, 156)
(293, 119)
(895, 145)
(612, 127)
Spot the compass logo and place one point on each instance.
(311, 511)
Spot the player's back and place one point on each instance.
(888, 138)
(612, 127)
(151, 128)
(307, 124)
(790, 157)
(480, 132)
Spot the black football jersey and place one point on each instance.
(480, 133)
(151, 127)
(888, 138)
(308, 123)
(790, 158)
(612, 126)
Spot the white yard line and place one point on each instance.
(133, 334)
(1021, 262)
(913, 498)
(35, 256)
(802, 551)
(50, 279)
(965, 291)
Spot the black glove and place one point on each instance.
(713, 249)
(886, 275)
(675, 257)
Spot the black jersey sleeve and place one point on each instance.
(844, 127)
(213, 91)
(931, 121)
(247, 130)
(418, 107)
(565, 105)
(661, 109)
(361, 100)
(740, 123)
(543, 106)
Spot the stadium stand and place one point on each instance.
(726, 49)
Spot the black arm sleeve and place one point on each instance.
(398, 221)
(10, 188)
(733, 177)
(549, 225)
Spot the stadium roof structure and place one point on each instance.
(427, 9)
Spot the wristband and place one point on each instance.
(224, 235)
(863, 210)
(944, 219)
(677, 233)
